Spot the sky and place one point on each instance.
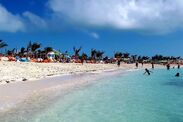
(143, 27)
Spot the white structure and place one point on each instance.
(51, 56)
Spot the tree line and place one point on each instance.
(34, 50)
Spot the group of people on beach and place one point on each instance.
(147, 71)
(137, 64)
(167, 66)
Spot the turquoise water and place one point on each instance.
(131, 97)
(126, 98)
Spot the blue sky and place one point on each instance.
(143, 27)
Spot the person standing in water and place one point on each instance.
(178, 66)
(152, 65)
(168, 66)
(147, 71)
(177, 75)
(118, 62)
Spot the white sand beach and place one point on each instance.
(17, 71)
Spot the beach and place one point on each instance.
(91, 61)
(86, 95)
(21, 80)
(11, 72)
(52, 86)
(16, 95)
(14, 71)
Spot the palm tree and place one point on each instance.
(93, 54)
(34, 47)
(118, 55)
(134, 58)
(11, 52)
(22, 51)
(84, 56)
(126, 55)
(139, 58)
(99, 54)
(48, 49)
(43, 53)
(158, 57)
(29, 46)
(76, 51)
(145, 58)
(28, 50)
(2, 44)
(39, 53)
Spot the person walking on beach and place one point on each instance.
(147, 71)
(136, 64)
(178, 66)
(118, 62)
(142, 63)
(152, 65)
(82, 61)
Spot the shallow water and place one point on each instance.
(132, 97)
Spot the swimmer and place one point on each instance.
(177, 75)
(147, 71)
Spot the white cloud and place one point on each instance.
(156, 15)
(95, 35)
(160, 16)
(34, 20)
(10, 22)
(24, 22)
(90, 33)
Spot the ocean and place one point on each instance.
(126, 97)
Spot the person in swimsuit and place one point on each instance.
(177, 75)
(147, 71)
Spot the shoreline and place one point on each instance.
(45, 93)
(12, 72)
(15, 93)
